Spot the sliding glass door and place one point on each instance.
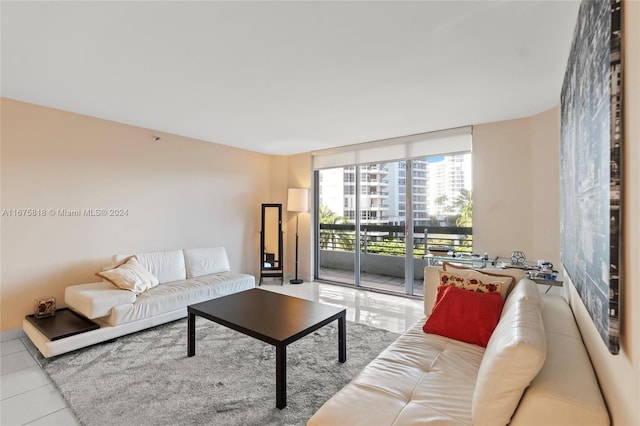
(441, 208)
(336, 236)
(382, 227)
(364, 207)
(376, 220)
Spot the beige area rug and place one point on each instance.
(147, 379)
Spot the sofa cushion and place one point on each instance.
(464, 315)
(167, 266)
(515, 353)
(95, 300)
(206, 261)
(180, 294)
(130, 275)
(420, 378)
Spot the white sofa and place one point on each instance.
(535, 370)
(186, 277)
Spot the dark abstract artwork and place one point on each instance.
(590, 161)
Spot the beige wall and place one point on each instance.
(516, 195)
(545, 188)
(178, 192)
(299, 173)
(293, 172)
(619, 375)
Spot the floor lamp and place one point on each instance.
(297, 201)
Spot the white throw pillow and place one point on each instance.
(515, 354)
(130, 275)
(206, 261)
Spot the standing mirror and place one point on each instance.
(271, 243)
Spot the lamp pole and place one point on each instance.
(296, 280)
(297, 202)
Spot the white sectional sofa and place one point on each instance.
(535, 370)
(185, 276)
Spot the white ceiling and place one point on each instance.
(288, 77)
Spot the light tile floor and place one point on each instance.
(28, 397)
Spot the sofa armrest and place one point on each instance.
(95, 300)
(566, 390)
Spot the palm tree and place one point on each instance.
(464, 203)
(328, 216)
(330, 239)
(442, 203)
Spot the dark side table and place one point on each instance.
(63, 324)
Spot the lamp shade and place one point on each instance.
(298, 200)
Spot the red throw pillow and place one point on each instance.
(464, 315)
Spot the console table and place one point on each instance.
(532, 271)
(477, 262)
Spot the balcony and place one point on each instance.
(382, 252)
(378, 281)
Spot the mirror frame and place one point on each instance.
(276, 271)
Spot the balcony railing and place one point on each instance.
(390, 239)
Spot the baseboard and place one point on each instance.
(13, 334)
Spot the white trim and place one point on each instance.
(13, 334)
(421, 145)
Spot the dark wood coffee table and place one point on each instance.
(272, 318)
